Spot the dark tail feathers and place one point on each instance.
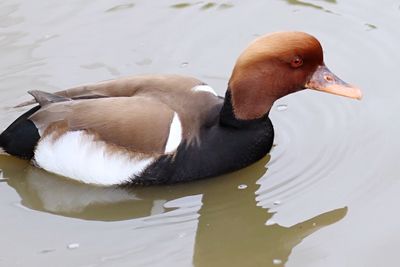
(21, 137)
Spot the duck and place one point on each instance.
(168, 128)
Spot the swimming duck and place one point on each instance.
(162, 129)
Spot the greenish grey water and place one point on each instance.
(326, 196)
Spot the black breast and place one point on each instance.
(227, 145)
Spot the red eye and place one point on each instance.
(296, 62)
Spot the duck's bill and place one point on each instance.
(325, 81)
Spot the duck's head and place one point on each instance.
(279, 64)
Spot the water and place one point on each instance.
(327, 196)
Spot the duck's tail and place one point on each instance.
(20, 138)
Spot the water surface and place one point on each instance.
(326, 196)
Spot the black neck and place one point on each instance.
(227, 116)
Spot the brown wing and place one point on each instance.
(133, 101)
(140, 124)
(127, 86)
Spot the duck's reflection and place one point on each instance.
(231, 229)
(40, 190)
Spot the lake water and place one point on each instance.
(327, 195)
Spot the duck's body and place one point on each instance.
(224, 144)
(151, 130)
(155, 129)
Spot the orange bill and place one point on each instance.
(325, 81)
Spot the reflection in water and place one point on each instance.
(240, 237)
(120, 7)
(203, 5)
(371, 26)
(43, 191)
(231, 227)
(208, 6)
(181, 5)
(308, 4)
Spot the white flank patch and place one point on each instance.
(78, 156)
(2, 152)
(204, 88)
(175, 134)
